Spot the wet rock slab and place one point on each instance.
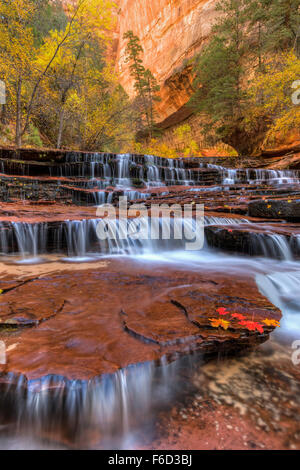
(281, 209)
(80, 325)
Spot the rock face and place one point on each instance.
(171, 32)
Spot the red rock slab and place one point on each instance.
(95, 322)
(31, 213)
(21, 306)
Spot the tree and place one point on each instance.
(278, 110)
(49, 15)
(22, 31)
(247, 42)
(283, 26)
(78, 70)
(219, 74)
(145, 84)
(17, 49)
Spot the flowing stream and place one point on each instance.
(114, 411)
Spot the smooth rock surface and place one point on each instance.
(92, 322)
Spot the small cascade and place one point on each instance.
(256, 175)
(83, 238)
(271, 246)
(121, 170)
(282, 289)
(31, 238)
(212, 220)
(23, 238)
(111, 407)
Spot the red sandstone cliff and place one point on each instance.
(171, 31)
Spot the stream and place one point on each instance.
(247, 400)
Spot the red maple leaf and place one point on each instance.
(252, 325)
(222, 311)
(239, 316)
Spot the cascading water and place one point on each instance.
(114, 406)
(256, 175)
(79, 239)
(272, 246)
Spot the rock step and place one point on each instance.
(139, 317)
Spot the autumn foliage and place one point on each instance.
(249, 325)
(58, 73)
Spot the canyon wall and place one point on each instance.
(171, 32)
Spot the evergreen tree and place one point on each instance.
(49, 15)
(151, 89)
(249, 39)
(219, 74)
(145, 84)
(283, 26)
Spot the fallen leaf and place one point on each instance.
(270, 322)
(239, 316)
(252, 325)
(217, 322)
(222, 311)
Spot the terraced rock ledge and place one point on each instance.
(82, 324)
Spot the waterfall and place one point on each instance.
(256, 175)
(212, 220)
(271, 246)
(112, 406)
(120, 170)
(80, 238)
(282, 289)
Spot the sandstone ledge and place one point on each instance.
(85, 324)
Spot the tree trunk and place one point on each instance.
(3, 114)
(18, 139)
(61, 126)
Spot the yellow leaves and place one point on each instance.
(183, 136)
(270, 322)
(275, 86)
(219, 322)
(269, 206)
(94, 17)
(1, 291)
(16, 37)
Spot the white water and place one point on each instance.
(79, 238)
(117, 406)
(159, 171)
